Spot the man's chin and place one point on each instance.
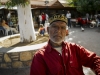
(57, 42)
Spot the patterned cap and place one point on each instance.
(58, 17)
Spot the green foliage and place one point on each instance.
(72, 3)
(87, 5)
(0, 3)
(12, 3)
(82, 5)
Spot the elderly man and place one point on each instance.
(62, 58)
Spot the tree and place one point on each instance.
(86, 5)
(27, 32)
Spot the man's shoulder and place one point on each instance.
(70, 43)
(41, 50)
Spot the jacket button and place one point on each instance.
(71, 61)
(66, 54)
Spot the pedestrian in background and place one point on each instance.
(80, 22)
(9, 17)
(47, 17)
(87, 16)
(43, 18)
(68, 15)
(40, 19)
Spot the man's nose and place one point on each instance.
(58, 29)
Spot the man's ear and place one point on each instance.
(48, 29)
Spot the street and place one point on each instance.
(90, 38)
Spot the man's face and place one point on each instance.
(57, 31)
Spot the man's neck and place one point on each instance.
(55, 44)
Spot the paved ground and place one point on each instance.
(90, 39)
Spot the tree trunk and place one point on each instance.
(26, 27)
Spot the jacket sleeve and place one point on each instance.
(89, 59)
(38, 65)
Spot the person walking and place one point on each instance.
(43, 18)
(81, 22)
(68, 15)
(62, 58)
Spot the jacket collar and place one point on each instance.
(50, 48)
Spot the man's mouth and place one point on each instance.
(57, 36)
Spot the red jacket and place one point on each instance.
(81, 21)
(47, 61)
(43, 17)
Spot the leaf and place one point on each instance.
(86, 5)
(12, 3)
